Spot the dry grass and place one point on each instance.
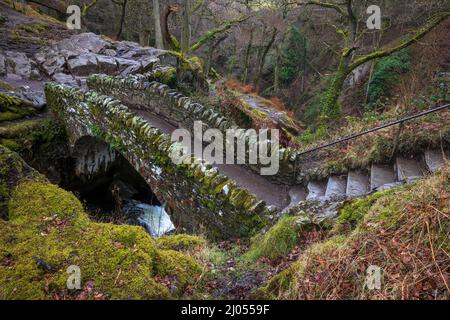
(405, 234)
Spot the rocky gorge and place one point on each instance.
(86, 180)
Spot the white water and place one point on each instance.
(154, 219)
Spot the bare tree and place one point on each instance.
(157, 19)
(350, 34)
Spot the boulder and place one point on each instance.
(82, 43)
(36, 98)
(127, 66)
(124, 47)
(50, 61)
(109, 52)
(83, 65)
(148, 63)
(107, 64)
(18, 63)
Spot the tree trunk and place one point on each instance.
(231, 63)
(211, 53)
(263, 58)
(331, 108)
(122, 18)
(186, 30)
(247, 58)
(157, 19)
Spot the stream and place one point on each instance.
(122, 196)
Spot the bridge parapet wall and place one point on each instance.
(158, 98)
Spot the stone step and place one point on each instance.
(316, 190)
(297, 194)
(381, 175)
(409, 170)
(390, 186)
(357, 184)
(336, 187)
(434, 160)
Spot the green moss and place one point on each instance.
(310, 136)
(167, 75)
(37, 27)
(174, 264)
(12, 172)
(12, 108)
(10, 144)
(29, 11)
(278, 241)
(19, 129)
(6, 86)
(386, 74)
(179, 242)
(354, 211)
(48, 231)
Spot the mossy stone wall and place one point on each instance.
(177, 109)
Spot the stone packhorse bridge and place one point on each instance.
(198, 198)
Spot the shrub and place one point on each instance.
(386, 74)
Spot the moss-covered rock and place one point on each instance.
(13, 171)
(12, 108)
(278, 241)
(354, 211)
(48, 231)
(183, 269)
(180, 242)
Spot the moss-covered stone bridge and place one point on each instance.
(198, 197)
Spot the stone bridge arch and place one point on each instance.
(92, 157)
(197, 197)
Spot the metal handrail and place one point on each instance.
(390, 124)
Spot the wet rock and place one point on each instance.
(82, 82)
(13, 77)
(30, 97)
(149, 63)
(36, 98)
(109, 52)
(124, 47)
(83, 65)
(319, 209)
(35, 74)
